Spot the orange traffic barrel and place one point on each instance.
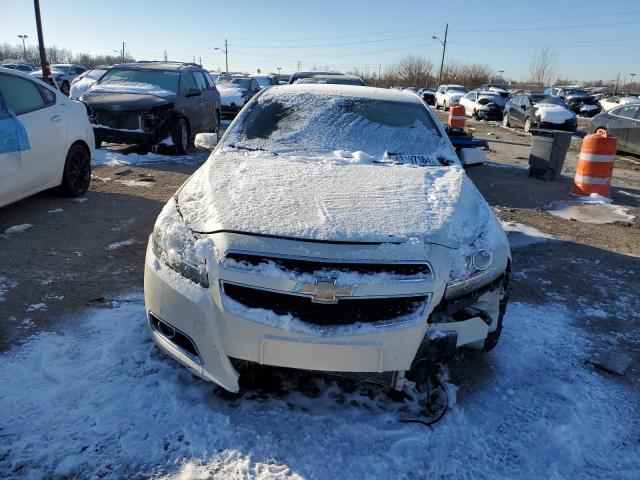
(456, 117)
(595, 165)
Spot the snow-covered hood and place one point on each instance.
(324, 200)
(548, 112)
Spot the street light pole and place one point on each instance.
(444, 48)
(226, 55)
(631, 75)
(24, 49)
(501, 72)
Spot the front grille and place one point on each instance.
(346, 312)
(124, 120)
(300, 266)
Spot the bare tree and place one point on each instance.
(412, 70)
(542, 66)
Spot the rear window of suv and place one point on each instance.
(165, 79)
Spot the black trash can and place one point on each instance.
(548, 151)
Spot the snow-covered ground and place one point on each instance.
(111, 156)
(97, 400)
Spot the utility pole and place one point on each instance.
(631, 75)
(444, 49)
(165, 55)
(122, 52)
(226, 54)
(200, 61)
(615, 89)
(379, 71)
(24, 49)
(43, 56)
(298, 65)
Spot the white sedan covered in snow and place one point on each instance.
(88, 79)
(332, 229)
(45, 139)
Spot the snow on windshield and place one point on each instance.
(126, 80)
(317, 122)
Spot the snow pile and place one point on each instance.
(521, 235)
(18, 228)
(230, 95)
(316, 199)
(105, 156)
(99, 401)
(548, 112)
(593, 209)
(139, 88)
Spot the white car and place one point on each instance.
(448, 95)
(45, 139)
(483, 105)
(332, 229)
(613, 102)
(63, 74)
(85, 81)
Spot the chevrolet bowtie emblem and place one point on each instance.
(324, 291)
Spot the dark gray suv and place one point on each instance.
(153, 103)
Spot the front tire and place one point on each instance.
(180, 136)
(527, 125)
(506, 121)
(76, 176)
(65, 88)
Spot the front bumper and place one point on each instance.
(568, 126)
(220, 334)
(133, 137)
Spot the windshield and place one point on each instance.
(536, 98)
(263, 81)
(312, 122)
(457, 89)
(165, 79)
(95, 74)
(575, 92)
(552, 101)
(240, 82)
(59, 69)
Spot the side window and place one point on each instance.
(202, 84)
(187, 82)
(22, 96)
(518, 100)
(441, 90)
(627, 112)
(208, 79)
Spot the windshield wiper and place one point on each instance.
(251, 149)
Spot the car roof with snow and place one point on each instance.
(158, 65)
(370, 93)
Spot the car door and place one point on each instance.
(633, 139)
(515, 113)
(440, 95)
(38, 110)
(468, 102)
(623, 123)
(191, 105)
(207, 102)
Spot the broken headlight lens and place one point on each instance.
(480, 263)
(174, 243)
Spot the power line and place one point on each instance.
(341, 44)
(556, 27)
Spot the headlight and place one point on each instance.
(174, 243)
(480, 263)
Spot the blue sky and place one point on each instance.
(592, 39)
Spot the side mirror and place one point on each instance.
(471, 157)
(206, 141)
(193, 92)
